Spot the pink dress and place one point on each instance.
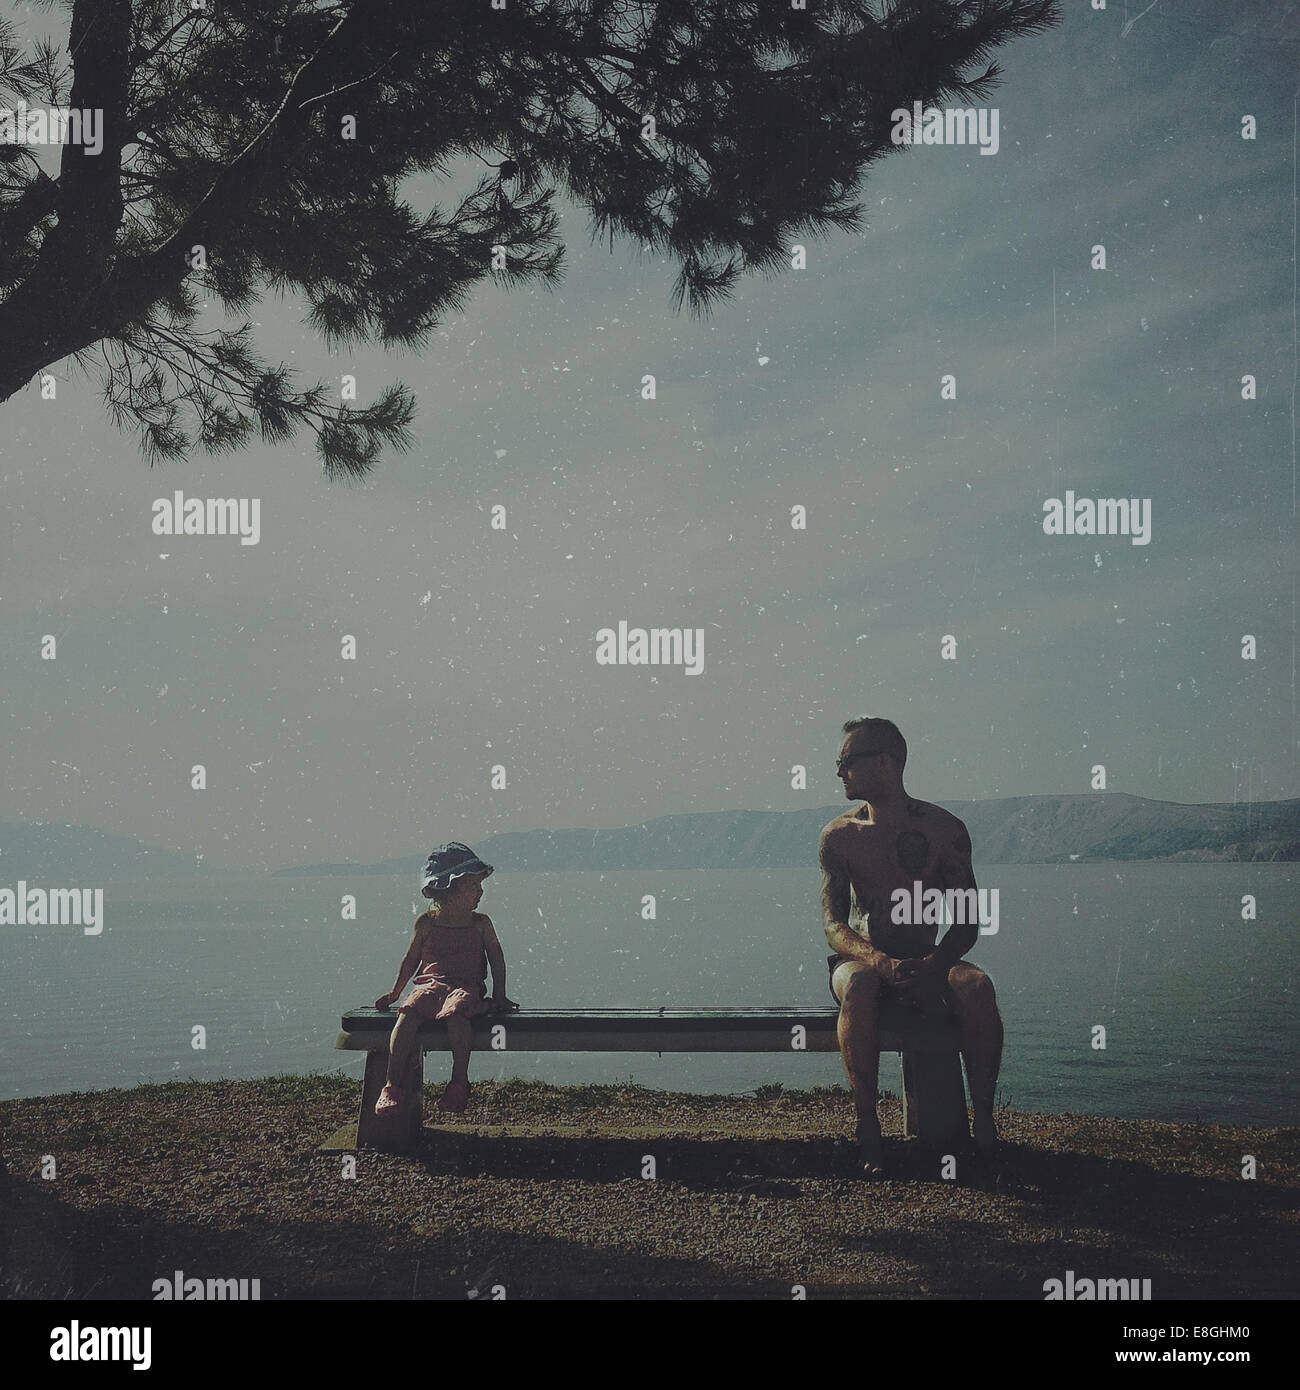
(451, 980)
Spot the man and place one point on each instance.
(894, 841)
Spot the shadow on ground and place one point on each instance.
(1035, 1216)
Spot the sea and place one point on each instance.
(1138, 990)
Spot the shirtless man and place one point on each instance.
(890, 842)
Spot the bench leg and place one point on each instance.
(410, 1118)
(399, 1133)
(934, 1099)
(371, 1130)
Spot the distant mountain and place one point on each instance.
(1114, 825)
(408, 864)
(1009, 830)
(63, 852)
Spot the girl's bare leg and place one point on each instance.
(403, 1039)
(460, 1033)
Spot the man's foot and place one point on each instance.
(870, 1151)
(389, 1099)
(455, 1098)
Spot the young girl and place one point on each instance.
(451, 948)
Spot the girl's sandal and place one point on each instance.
(455, 1098)
(389, 1099)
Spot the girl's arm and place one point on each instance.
(497, 963)
(407, 968)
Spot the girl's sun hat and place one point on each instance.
(449, 862)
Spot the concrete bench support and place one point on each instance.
(934, 1104)
(934, 1099)
(398, 1133)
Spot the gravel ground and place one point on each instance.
(540, 1189)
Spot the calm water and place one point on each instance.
(1199, 1007)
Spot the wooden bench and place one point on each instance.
(934, 1099)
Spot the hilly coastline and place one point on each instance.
(1009, 830)
(1099, 827)
(37, 851)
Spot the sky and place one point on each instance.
(818, 388)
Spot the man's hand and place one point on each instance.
(385, 1001)
(921, 981)
(921, 972)
(889, 969)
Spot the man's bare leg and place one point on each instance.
(857, 986)
(981, 1044)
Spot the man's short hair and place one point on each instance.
(885, 734)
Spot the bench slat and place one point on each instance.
(374, 1018)
(657, 1030)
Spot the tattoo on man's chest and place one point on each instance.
(913, 851)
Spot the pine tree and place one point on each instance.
(254, 145)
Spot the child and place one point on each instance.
(451, 948)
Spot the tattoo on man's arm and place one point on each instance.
(957, 871)
(835, 902)
(836, 893)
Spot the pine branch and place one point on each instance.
(227, 391)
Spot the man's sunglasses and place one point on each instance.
(842, 763)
